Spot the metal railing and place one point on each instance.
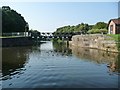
(17, 34)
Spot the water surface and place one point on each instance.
(53, 65)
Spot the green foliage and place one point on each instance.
(57, 40)
(94, 31)
(104, 31)
(34, 33)
(100, 25)
(116, 37)
(78, 28)
(12, 21)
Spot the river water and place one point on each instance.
(53, 65)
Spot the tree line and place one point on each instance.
(15, 22)
(99, 27)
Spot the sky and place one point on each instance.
(48, 16)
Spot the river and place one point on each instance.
(53, 65)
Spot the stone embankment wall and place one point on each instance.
(16, 41)
(96, 41)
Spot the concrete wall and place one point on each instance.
(16, 41)
(94, 41)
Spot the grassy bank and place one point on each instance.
(115, 37)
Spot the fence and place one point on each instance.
(15, 34)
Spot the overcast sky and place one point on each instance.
(47, 16)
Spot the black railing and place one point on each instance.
(54, 35)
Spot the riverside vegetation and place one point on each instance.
(12, 21)
(58, 65)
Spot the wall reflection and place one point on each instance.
(99, 57)
(62, 48)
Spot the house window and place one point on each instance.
(111, 29)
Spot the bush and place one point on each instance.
(95, 31)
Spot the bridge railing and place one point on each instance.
(15, 34)
(51, 35)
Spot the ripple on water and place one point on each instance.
(47, 68)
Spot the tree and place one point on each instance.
(100, 31)
(100, 25)
(83, 28)
(35, 33)
(74, 29)
(12, 21)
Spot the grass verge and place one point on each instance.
(115, 37)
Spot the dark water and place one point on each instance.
(54, 65)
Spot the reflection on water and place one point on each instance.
(14, 59)
(62, 48)
(56, 65)
(98, 56)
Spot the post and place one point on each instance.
(25, 31)
(26, 28)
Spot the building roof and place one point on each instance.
(116, 21)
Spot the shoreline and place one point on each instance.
(99, 42)
(92, 48)
(16, 41)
